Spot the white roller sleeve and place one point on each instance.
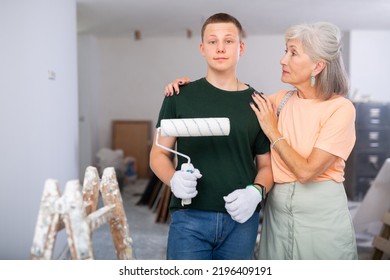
(195, 127)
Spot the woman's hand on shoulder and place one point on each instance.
(173, 87)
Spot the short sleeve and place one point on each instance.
(262, 144)
(167, 110)
(337, 133)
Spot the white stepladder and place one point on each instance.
(76, 211)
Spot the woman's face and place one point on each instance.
(297, 67)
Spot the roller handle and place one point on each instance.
(186, 167)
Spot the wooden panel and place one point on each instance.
(381, 242)
(134, 138)
(386, 218)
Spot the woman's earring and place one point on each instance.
(313, 80)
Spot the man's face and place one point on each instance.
(221, 46)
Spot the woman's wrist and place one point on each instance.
(276, 141)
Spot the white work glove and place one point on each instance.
(183, 183)
(242, 203)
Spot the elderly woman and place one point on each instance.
(306, 214)
(312, 133)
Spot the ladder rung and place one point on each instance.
(101, 216)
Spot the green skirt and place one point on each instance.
(307, 222)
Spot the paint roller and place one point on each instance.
(196, 127)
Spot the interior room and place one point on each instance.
(89, 76)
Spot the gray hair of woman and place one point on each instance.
(322, 41)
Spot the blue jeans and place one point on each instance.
(203, 235)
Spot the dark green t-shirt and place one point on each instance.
(226, 162)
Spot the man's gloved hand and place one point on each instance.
(242, 203)
(183, 183)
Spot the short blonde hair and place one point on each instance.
(223, 18)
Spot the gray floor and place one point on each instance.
(149, 237)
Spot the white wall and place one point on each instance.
(369, 64)
(132, 74)
(38, 116)
(89, 85)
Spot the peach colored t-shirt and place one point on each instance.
(307, 123)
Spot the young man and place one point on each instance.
(232, 172)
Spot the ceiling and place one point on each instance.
(174, 17)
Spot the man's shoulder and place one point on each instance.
(194, 83)
(191, 86)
